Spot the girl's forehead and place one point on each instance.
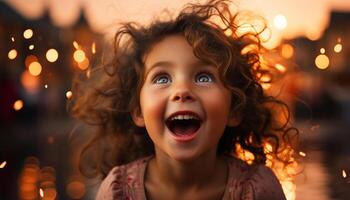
(174, 48)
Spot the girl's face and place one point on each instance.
(184, 105)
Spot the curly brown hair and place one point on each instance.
(107, 98)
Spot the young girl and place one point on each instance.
(175, 107)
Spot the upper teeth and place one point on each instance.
(182, 117)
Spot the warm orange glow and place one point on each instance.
(337, 48)
(287, 51)
(31, 47)
(69, 94)
(302, 154)
(79, 56)
(49, 193)
(343, 173)
(27, 34)
(84, 65)
(29, 59)
(322, 50)
(35, 68)
(280, 68)
(75, 189)
(45, 86)
(12, 54)
(18, 105)
(93, 48)
(76, 45)
(52, 55)
(244, 155)
(29, 82)
(3, 164)
(12, 39)
(280, 22)
(322, 61)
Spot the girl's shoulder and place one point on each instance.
(124, 181)
(252, 181)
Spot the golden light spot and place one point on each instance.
(51, 55)
(18, 105)
(29, 82)
(41, 192)
(302, 154)
(50, 193)
(84, 65)
(3, 164)
(79, 56)
(280, 22)
(12, 39)
(35, 68)
(265, 78)
(322, 50)
(267, 148)
(343, 173)
(45, 86)
(322, 61)
(93, 48)
(27, 34)
(12, 54)
(75, 189)
(69, 94)
(266, 86)
(280, 68)
(287, 51)
(29, 59)
(228, 32)
(76, 45)
(337, 48)
(31, 47)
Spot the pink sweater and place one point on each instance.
(245, 182)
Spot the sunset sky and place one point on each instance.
(304, 17)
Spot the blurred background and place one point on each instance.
(43, 43)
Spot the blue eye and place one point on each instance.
(204, 77)
(162, 79)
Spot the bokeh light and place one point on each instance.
(18, 105)
(93, 48)
(69, 94)
(281, 68)
(3, 164)
(12, 54)
(52, 55)
(29, 82)
(84, 65)
(322, 61)
(79, 55)
(27, 34)
(322, 50)
(29, 59)
(287, 51)
(280, 22)
(35, 68)
(31, 47)
(75, 189)
(338, 48)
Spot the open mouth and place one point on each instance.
(182, 125)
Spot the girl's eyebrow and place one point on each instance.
(168, 64)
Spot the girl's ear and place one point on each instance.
(137, 117)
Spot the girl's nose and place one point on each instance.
(182, 92)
